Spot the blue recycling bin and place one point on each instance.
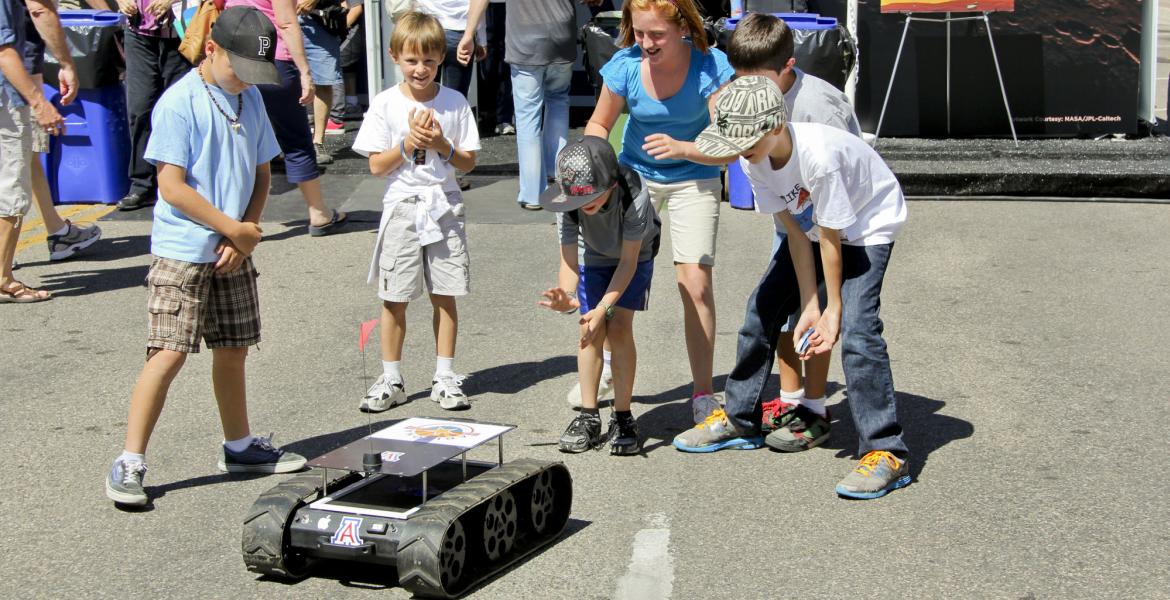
(739, 191)
(89, 163)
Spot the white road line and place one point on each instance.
(651, 572)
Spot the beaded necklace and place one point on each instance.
(235, 123)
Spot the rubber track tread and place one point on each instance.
(422, 536)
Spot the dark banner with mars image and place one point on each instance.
(1070, 67)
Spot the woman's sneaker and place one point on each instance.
(604, 390)
(583, 433)
(878, 474)
(715, 433)
(383, 395)
(124, 483)
(623, 436)
(447, 390)
(803, 429)
(260, 457)
(74, 240)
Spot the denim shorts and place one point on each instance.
(323, 51)
(595, 280)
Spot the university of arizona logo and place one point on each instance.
(349, 533)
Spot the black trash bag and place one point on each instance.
(96, 54)
(599, 41)
(825, 53)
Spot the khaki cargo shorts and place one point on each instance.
(404, 265)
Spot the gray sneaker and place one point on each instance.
(383, 395)
(260, 457)
(124, 483)
(447, 390)
(878, 474)
(715, 433)
(74, 240)
(604, 390)
(323, 155)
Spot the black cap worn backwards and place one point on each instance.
(250, 41)
(586, 169)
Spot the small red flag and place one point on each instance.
(364, 336)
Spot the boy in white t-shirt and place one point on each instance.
(858, 207)
(416, 134)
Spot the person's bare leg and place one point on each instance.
(319, 214)
(445, 321)
(589, 369)
(322, 100)
(619, 334)
(9, 235)
(393, 330)
(789, 363)
(231, 392)
(43, 196)
(816, 375)
(698, 299)
(149, 395)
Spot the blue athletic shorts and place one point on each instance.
(595, 280)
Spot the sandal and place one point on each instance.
(333, 226)
(19, 293)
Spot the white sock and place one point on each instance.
(130, 457)
(816, 405)
(63, 230)
(606, 355)
(792, 398)
(392, 369)
(238, 445)
(444, 366)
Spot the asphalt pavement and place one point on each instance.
(1026, 340)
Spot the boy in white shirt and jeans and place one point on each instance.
(416, 134)
(858, 207)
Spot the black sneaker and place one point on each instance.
(623, 436)
(584, 433)
(136, 200)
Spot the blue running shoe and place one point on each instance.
(715, 433)
(878, 474)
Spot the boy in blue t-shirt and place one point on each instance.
(212, 143)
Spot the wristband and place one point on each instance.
(448, 159)
(572, 296)
(402, 148)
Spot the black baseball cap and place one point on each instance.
(586, 169)
(250, 41)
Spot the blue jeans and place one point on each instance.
(540, 96)
(868, 380)
(455, 75)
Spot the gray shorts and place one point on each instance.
(40, 140)
(15, 145)
(404, 265)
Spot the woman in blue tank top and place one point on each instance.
(664, 75)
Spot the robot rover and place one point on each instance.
(408, 497)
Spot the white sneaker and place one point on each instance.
(703, 405)
(604, 390)
(383, 395)
(446, 390)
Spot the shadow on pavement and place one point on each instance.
(923, 429)
(516, 377)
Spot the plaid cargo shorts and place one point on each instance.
(189, 301)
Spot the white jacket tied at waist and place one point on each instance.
(430, 206)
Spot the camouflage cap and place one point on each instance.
(745, 111)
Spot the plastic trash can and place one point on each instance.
(89, 163)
